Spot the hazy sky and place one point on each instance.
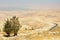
(29, 4)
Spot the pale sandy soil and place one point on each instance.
(40, 21)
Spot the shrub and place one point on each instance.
(12, 25)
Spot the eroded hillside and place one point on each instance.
(35, 25)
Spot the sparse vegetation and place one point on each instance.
(12, 25)
(35, 25)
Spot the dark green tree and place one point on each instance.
(12, 25)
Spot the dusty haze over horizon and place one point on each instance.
(29, 4)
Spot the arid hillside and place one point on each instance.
(36, 25)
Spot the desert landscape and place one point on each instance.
(36, 24)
